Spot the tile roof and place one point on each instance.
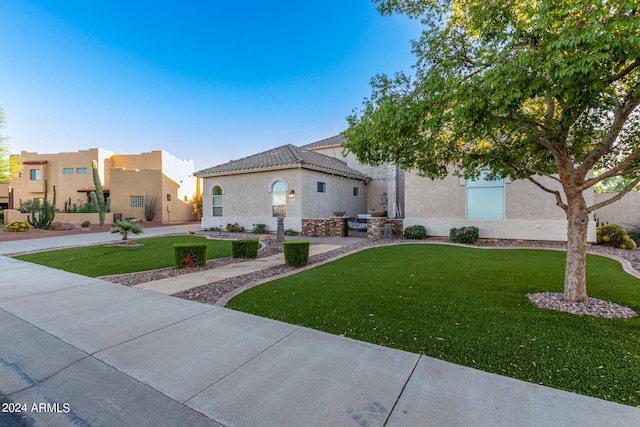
(283, 157)
(327, 142)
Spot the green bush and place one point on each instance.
(296, 253)
(1, 216)
(415, 232)
(18, 226)
(190, 254)
(85, 224)
(259, 228)
(235, 228)
(245, 248)
(290, 232)
(464, 234)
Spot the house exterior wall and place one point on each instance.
(338, 197)
(247, 199)
(67, 185)
(530, 213)
(380, 186)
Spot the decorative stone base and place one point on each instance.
(376, 226)
(339, 227)
(325, 227)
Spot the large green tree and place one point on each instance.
(543, 90)
(10, 165)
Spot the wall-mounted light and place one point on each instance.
(292, 194)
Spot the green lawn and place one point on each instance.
(103, 260)
(469, 306)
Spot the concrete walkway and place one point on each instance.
(172, 285)
(91, 353)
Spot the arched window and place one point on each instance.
(279, 199)
(217, 201)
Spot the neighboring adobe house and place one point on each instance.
(128, 179)
(287, 181)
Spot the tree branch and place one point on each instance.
(635, 64)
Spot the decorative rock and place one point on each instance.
(264, 237)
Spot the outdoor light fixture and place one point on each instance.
(292, 194)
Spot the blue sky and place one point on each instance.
(210, 80)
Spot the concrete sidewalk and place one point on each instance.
(88, 352)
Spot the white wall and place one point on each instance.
(530, 213)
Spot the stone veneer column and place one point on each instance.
(338, 226)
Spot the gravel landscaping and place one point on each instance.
(213, 292)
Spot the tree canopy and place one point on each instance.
(10, 165)
(522, 88)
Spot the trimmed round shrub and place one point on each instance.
(245, 248)
(190, 254)
(415, 232)
(18, 226)
(296, 253)
(85, 224)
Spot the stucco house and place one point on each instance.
(314, 180)
(287, 181)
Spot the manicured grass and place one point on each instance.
(103, 260)
(469, 306)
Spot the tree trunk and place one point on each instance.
(575, 273)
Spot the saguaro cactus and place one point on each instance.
(97, 197)
(42, 214)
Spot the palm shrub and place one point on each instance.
(125, 228)
(296, 253)
(415, 232)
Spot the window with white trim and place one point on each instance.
(279, 199)
(356, 191)
(34, 174)
(217, 201)
(322, 187)
(485, 198)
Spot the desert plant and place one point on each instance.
(25, 207)
(245, 248)
(415, 232)
(150, 206)
(98, 202)
(296, 253)
(188, 255)
(259, 229)
(2, 216)
(85, 224)
(125, 228)
(614, 235)
(235, 228)
(464, 234)
(42, 214)
(18, 226)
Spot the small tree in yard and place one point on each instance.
(545, 91)
(125, 228)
